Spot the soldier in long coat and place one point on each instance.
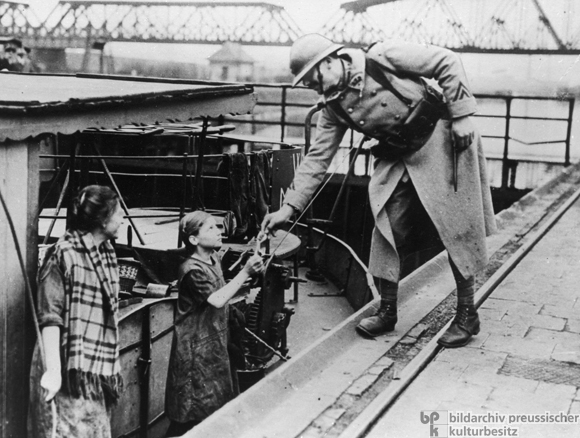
(413, 173)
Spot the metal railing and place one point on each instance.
(283, 112)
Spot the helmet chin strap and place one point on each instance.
(319, 79)
(342, 82)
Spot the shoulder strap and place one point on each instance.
(376, 71)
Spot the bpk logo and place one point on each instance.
(437, 421)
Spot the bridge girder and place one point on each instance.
(16, 18)
(76, 24)
(515, 26)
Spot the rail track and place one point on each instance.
(367, 418)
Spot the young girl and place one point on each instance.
(199, 378)
(78, 293)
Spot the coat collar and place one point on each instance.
(355, 72)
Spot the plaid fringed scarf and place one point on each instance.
(90, 338)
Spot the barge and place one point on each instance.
(60, 133)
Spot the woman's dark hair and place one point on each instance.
(93, 206)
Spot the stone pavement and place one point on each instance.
(525, 361)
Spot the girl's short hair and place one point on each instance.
(190, 224)
(93, 206)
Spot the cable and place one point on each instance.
(359, 147)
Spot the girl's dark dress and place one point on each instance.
(199, 378)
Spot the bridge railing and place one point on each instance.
(517, 130)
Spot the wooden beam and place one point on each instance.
(19, 182)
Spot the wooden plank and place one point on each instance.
(19, 182)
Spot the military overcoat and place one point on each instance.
(464, 218)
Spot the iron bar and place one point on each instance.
(183, 196)
(283, 114)
(150, 175)
(58, 207)
(569, 131)
(505, 167)
(133, 157)
(145, 368)
(121, 200)
(198, 195)
(61, 170)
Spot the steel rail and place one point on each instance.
(364, 422)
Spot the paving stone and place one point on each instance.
(567, 352)
(523, 294)
(418, 330)
(517, 327)
(491, 314)
(573, 325)
(478, 340)
(487, 377)
(468, 394)
(574, 407)
(328, 418)
(559, 311)
(385, 362)
(497, 304)
(475, 356)
(376, 371)
(531, 348)
(312, 432)
(549, 322)
(557, 397)
(548, 336)
(361, 384)
(564, 299)
(523, 309)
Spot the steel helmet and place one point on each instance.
(307, 51)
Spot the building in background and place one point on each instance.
(231, 64)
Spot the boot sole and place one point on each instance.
(366, 333)
(463, 344)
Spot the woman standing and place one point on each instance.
(78, 292)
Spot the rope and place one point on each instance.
(31, 300)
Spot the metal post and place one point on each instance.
(145, 368)
(505, 166)
(121, 200)
(72, 187)
(571, 103)
(199, 167)
(183, 196)
(283, 115)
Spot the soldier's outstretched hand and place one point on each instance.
(275, 220)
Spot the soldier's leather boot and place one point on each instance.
(464, 326)
(381, 322)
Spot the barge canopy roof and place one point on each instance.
(32, 104)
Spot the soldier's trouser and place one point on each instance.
(412, 228)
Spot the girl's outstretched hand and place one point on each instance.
(254, 265)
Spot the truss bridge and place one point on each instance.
(76, 24)
(514, 26)
(496, 26)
